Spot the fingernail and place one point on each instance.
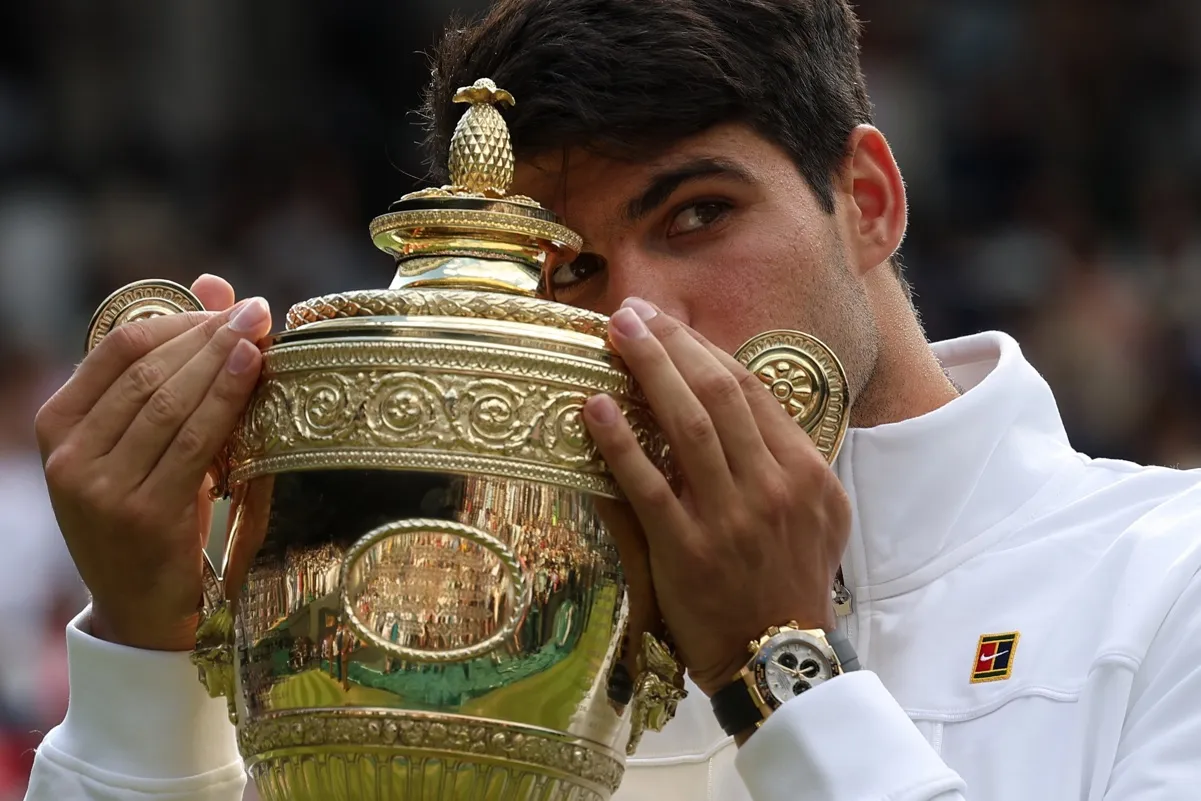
(252, 315)
(602, 409)
(241, 357)
(644, 310)
(628, 323)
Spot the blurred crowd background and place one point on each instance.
(1052, 150)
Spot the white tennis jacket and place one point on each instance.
(1029, 620)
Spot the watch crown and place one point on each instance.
(753, 646)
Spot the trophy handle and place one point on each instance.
(808, 380)
(214, 652)
(143, 300)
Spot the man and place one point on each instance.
(1029, 619)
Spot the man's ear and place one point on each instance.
(875, 199)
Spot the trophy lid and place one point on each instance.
(471, 234)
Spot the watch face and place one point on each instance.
(788, 666)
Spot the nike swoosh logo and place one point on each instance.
(994, 657)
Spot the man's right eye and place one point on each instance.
(585, 266)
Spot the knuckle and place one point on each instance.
(696, 426)
(704, 569)
(738, 522)
(837, 502)
(618, 449)
(214, 324)
(774, 493)
(657, 493)
(135, 514)
(719, 388)
(191, 443)
(667, 327)
(143, 379)
(61, 469)
(749, 382)
(98, 493)
(130, 341)
(46, 425)
(163, 407)
(232, 392)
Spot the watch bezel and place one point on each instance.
(756, 670)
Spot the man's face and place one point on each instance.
(721, 231)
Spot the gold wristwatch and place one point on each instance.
(786, 661)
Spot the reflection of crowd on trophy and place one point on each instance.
(262, 601)
(257, 673)
(432, 591)
(555, 536)
(301, 654)
(311, 573)
(275, 592)
(337, 646)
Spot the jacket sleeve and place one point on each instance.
(139, 726)
(846, 739)
(1159, 753)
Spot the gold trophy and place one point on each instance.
(419, 599)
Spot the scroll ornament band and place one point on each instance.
(421, 405)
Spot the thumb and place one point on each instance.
(214, 292)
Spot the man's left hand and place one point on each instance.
(754, 537)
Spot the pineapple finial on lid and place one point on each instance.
(481, 155)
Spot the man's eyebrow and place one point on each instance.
(663, 185)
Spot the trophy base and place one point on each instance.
(395, 755)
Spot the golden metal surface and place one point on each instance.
(140, 300)
(303, 756)
(418, 564)
(472, 234)
(808, 380)
(658, 690)
(481, 156)
(447, 303)
(505, 402)
(489, 219)
(481, 622)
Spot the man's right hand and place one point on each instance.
(127, 444)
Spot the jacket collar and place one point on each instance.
(926, 492)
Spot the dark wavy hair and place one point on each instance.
(628, 78)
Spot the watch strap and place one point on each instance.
(735, 709)
(848, 660)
